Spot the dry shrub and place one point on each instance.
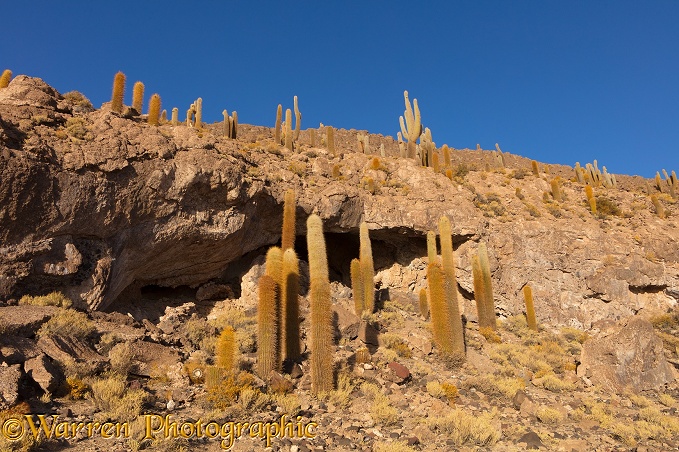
(52, 299)
(464, 428)
(68, 322)
(114, 400)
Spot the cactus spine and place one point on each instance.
(450, 285)
(530, 309)
(367, 268)
(411, 128)
(277, 129)
(154, 110)
(175, 116)
(321, 313)
(489, 303)
(357, 286)
(226, 350)
(290, 306)
(138, 96)
(289, 206)
(288, 129)
(267, 328)
(118, 92)
(298, 119)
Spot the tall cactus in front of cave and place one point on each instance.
(411, 127)
(289, 206)
(439, 310)
(290, 306)
(357, 286)
(450, 284)
(268, 350)
(321, 309)
(367, 268)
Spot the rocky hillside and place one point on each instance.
(149, 228)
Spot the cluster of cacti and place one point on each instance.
(118, 92)
(411, 127)
(230, 124)
(5, 78)
(591, 175)
(283, 131)
(498, 156)
(154, 110)
(138, 96)
(669, 185)
(483, 288)
(443, 300)
(426, 148)
(363, 142)
(321, 312)
(530, 308)
(363, 274)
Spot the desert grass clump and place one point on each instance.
(548, 415)
(464, 428)
(553, 383)
(68, 322)
(118, 92)
(115, 401)
(321, 313)
(5, 78)
(138, 96)
(51, 299)
(495, 386)
(154, 110)
(381, 410)
(120, 357)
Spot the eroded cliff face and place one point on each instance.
(99, 205)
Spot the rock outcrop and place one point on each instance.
(103, 207)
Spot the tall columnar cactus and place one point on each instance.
(5, 78)
(432, 255)
(450, 283)
(154, 110)
(268, 350)
(427, 147)
(488, 288)
(163, 116)
(424, 307)
(312, 137)
(277, 127)
(330, 139)
(367, 268)
(227, 123)
(411, 128)
(447, 163)
(288, 129)
(439, 312)
(290, 306)
(226, 348)
(435, 163)
(479, 292)
(175, 116)
(534, 166)
(556, 190)
(659, 210)
(289, 231)
(138, 96)
(234, 124)
(592, 205)
(298, 119)
(530, 308)
(357, 286)
(321, 313)
(199, 113)
(403, 152)
(118, 92)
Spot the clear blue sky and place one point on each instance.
(557, 81)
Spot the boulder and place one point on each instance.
(628, 355)
(10, 376)
(45, 373)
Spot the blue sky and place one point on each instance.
(559, 82)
